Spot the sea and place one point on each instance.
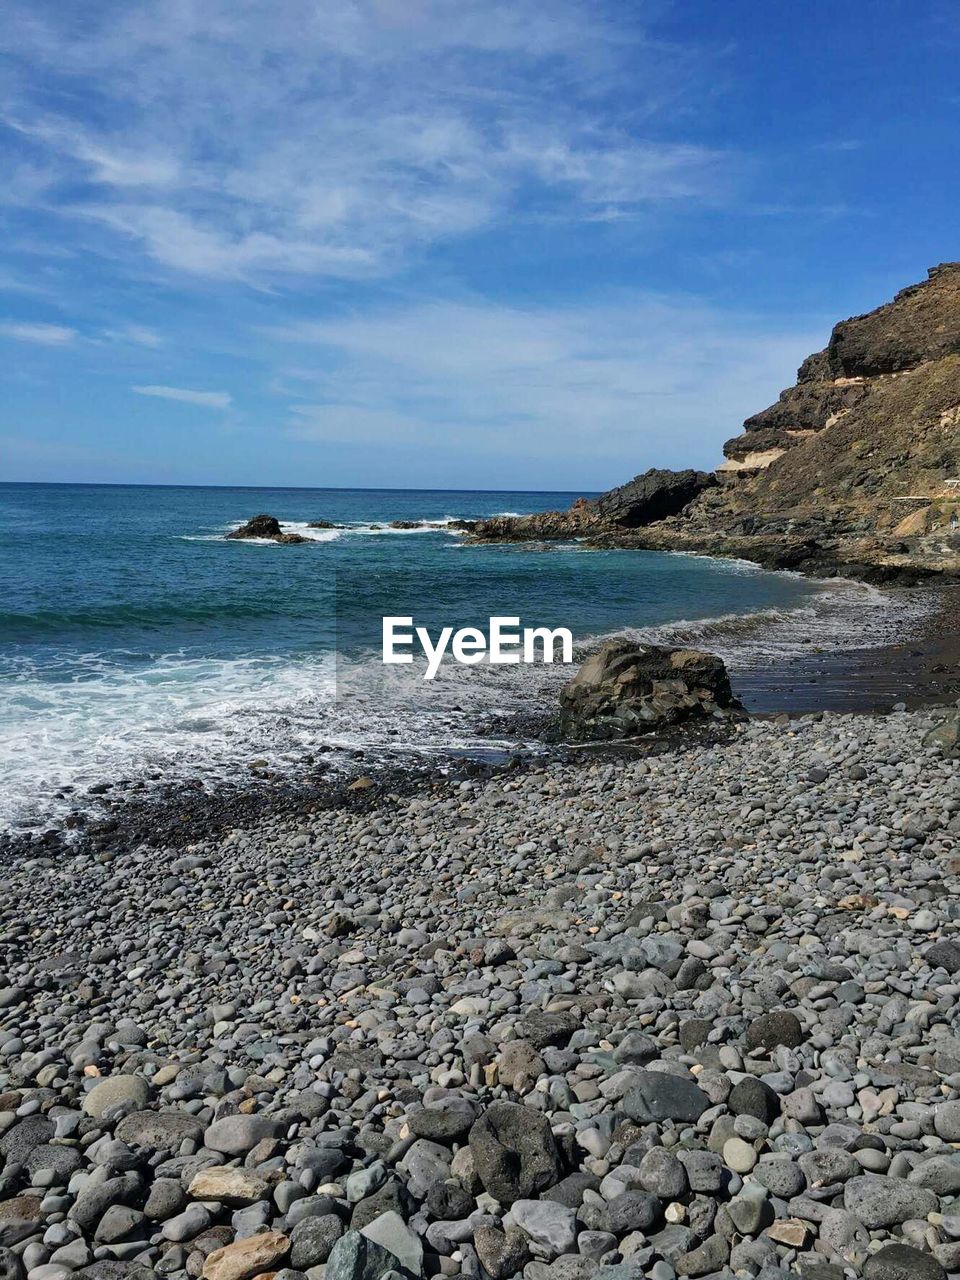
(139, 645)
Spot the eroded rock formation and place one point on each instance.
(626, 689)
(855, 469)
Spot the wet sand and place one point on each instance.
(922, 669)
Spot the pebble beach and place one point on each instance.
(693, 1015)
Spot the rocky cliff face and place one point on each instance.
(862, 455)
(857, 464)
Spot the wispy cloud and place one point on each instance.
(639, 376)
(205, 399)
(236, 140)
(139, 335)
(45, 335)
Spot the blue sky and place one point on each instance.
(447, 243)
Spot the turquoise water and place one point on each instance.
(136, 640)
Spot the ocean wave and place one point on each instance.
(183, 718)
(303, 529)
(176, 717)
(439, 524)
(842, 615)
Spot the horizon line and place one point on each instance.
(297, 488)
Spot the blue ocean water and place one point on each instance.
(137, 641)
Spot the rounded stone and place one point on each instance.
(116, 1091)
(739, 1155)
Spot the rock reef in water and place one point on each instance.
(581, 520)
(264, 526)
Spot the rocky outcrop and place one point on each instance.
(264, 526)
(855, 469)
(653, 496)
(582, 520)
(861, 457)
(626, 689)
(919, 328)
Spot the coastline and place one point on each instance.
(920, 670)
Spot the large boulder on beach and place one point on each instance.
(656, 494)
(625, 689)
(946, 735)
(264, 526)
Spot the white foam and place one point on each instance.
(303, 530)
(185, 718)
(180, 716)
(840, 615)
(423, 525)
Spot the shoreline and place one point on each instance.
(921, 670)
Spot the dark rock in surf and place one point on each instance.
(579, 521)
(264, 526)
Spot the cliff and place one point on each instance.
(855, 468)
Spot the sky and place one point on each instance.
(447, 243)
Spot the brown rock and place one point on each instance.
(232, 1186)
(20, 1209)
(519, 1065)
(247, 1258)
(789, 1231)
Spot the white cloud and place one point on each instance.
(45, 335)
(205, 399)
(638, 377)
(242, 140)
(138, 335)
